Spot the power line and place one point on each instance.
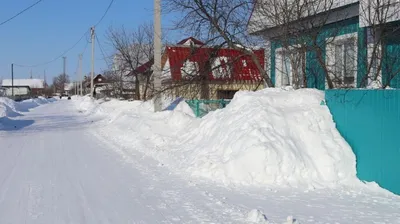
(102, 52)
(60, 56)
(73, 46)
(105, 13)
(16, 15)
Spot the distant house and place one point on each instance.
(36, 86)
(124, 71)
(68, 87)
(99, 84)
(194, 70)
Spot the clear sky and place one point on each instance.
(47, 30)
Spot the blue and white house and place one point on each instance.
(353, 44)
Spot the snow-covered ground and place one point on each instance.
(271, 155)
(10, 108)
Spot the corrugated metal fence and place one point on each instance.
(370, 122)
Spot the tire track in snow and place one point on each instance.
(201, 208)
(4, 186)
(35, 192)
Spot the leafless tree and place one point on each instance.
(133, 49)
(299, 27)
(220, 23)
(60, 81)
(377, 16)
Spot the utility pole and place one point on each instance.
(12, 80)
(44, 82)
(31, 74)
(157, 55)
(64, 74)
(80, 74)
(92, 73)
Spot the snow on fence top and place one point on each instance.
(32, 83)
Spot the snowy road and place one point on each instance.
(55, 169)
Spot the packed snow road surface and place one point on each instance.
(58, 166)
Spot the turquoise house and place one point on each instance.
(330, 44)
(335, 45)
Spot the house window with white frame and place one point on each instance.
(221, 68)
(342, 61)
(189, 69)
(290, 68)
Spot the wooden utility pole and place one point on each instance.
(92, 72)
(12, 80)
(64, 74)
(80, 74)
(157, 55)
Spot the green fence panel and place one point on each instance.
(203, 107)
(370, 122)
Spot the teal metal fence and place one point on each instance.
(370, 122)
(203, 107)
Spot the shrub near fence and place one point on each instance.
(370, 122)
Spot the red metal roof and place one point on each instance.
(241, 67)
(233, 63)
(143, 68)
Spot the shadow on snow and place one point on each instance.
(7, 124)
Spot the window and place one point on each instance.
(226, 94)
(345, 58)
(290, 68)
(189, 68)
(221, 68)
(342, 61)
(374, 60)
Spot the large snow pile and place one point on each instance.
(270, 137)
(273, 137)
(10, 108)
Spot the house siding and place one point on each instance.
(315, 73)
(391, 59)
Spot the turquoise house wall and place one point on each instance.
(369, 121)
(315, 72)
(391, 62)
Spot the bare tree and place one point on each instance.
(221, 23)
(301, 28)
(133, 49)
(382, 59)
(60, 81)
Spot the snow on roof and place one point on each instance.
(190, 40)
(32, 83)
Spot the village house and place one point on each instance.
(193, 70)
(99, 84)
(346, 42)
(24, 87)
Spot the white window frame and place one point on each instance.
(372, 73)
(279, 66)
(217, 69)
(189, 68)
(330, 57)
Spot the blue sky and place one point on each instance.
(45, 31)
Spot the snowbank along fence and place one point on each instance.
(370, 122)
(203, 107)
